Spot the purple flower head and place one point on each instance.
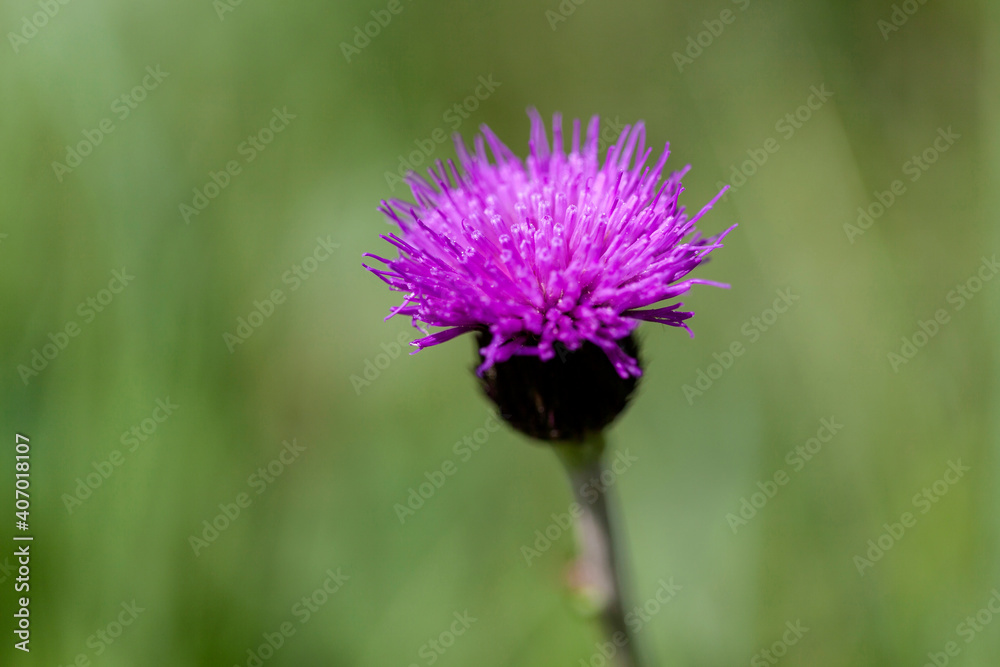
(560, 248)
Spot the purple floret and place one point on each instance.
(558, 248)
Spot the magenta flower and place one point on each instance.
(558, 249)
(558, 255)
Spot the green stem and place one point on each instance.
(599, 556)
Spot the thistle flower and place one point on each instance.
(558, 256)
(559, 248)
(546, 257)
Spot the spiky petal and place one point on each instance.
(559, 248)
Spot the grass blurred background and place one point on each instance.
(366, 445)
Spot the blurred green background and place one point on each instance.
(129, 535)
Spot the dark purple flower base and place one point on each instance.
(575, 394)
